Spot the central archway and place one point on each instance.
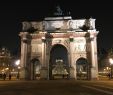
(59, 64)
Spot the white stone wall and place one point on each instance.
(36, 46)
(54, 23)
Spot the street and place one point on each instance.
(56, 87)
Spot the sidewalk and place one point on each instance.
(105, 79)
(7, 79)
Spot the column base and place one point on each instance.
(24, 74)
(94, 74)
(43, 73)
(72, 73)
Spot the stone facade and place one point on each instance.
(78, 37)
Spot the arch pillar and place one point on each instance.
(44, 70)
(94, 66)
(24, 62)
(72, 66)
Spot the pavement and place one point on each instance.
(56, 87)
(102, 86)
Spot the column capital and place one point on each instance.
(71, 38)
(43, 39)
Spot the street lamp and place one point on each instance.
(17, 63)
(111, 64)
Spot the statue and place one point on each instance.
(26, 25)
(58, 11)
(29, 26)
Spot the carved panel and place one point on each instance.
(53, 25)
(76, 24)
(80, 44)
(36, 48)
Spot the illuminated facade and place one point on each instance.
(59, 47)
(5, 61)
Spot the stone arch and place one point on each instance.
(61, 44)
(82, 68)
(35, 69)
(58, 53)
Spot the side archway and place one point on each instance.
(35, 69)
(82, 69)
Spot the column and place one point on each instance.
(43, 52)
(94, 71)
(44, 67)
(48, 59)
(23, 62)
(96, 59)
(32, 71)
(72, 65)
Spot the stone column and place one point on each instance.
(23, 61)
(72, 65)
(43, 72)
(94, 70)
(48, 45)
(32, 71)
(96, 59)
(43, 51)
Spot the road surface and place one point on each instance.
(56, 87)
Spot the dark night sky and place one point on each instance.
(13, 13)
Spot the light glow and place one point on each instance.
(111, 61)
(17, 62)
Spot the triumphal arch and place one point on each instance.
(59, 47)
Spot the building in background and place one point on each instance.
(7, 63)
(5, 60)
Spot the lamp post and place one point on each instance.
(17, 63)
(111, 64)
